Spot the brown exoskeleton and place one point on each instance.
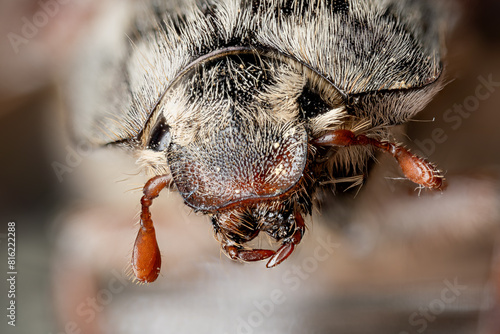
(247, 108)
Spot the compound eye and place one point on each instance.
(160, 136)
(312, 104)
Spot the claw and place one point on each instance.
(248, 255)
(255, 255)
(289, 244)
(281, 255)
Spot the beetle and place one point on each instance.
(249, 108)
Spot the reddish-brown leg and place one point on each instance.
(415, 168)
(288, 244)
(246, 255)
(146, 259)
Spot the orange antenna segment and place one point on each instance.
(146, 258)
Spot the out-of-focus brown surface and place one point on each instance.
(393, 256)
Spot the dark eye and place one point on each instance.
(311, 104)
(160, 136)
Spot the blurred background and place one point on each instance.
(396, 263)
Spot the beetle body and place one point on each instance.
(248, 107)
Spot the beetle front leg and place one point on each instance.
(146, 258)
(288, 244)
(415, 168)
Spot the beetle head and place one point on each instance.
(235, 133)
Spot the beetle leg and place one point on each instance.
(146, 259)
(246, 255)
(288, 244)
(415, 168)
